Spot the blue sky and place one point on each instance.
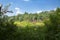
(20, 6)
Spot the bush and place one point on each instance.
(53, 26)
(7, 31)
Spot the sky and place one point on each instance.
(30, 6)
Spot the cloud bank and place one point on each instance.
(39, 11)
(18, 11)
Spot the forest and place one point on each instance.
(31, 26)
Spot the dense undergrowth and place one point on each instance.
(25, 30)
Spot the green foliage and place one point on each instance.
(28, 26)
(30, 33)
(32, 17)
(7, 31)
(53, 28)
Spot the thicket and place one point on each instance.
(50, 31)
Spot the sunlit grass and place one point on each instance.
(27, 23)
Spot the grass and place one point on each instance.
(27, 23)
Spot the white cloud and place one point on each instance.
(18, 10)
(26, 0)
(39, 11)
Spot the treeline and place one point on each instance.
(50, 31)
(32, 16)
